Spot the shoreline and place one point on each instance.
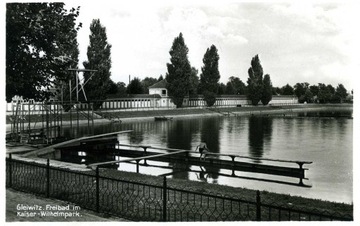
(148, 115)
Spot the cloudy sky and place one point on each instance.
(297, 42)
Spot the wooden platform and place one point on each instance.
(296, 172)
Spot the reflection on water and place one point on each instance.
(180, 135)
(210, 131)
(260, 130)
(319, 137)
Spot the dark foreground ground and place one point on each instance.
(16, 202)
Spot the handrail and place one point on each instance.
(259, 158)
(136, 159)
(219, 154)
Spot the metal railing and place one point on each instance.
(140, 201)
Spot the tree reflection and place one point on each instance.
(180, 136)
(260, 131)
(210, 134)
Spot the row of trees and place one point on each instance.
(183, 80)
(41, 46)
(137, 86)
(320, 93)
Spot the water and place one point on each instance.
(326, 141)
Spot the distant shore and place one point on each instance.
(146, 114)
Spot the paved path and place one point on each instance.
(19, 203)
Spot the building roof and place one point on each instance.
(162, 84)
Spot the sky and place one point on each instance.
(307, 41)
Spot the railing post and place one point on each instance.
(258, 206)
(97, 190)
(10, 170)
(145, 147)
(233, 165)
(48, 178)
(137, 166)
(164, 199)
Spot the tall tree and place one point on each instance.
(341, 93)
(222, 89)
(324, 95)
(99, 59)
(146, 82)
(254, 81)
(267, 90)
(238, 86)
(160, 78)
(121, 89)
(300, 89)
(36, 35)
(135, 87)
(287, 90)
(314, 89)
(194, 82)
(308, 96)
(179, 71)
(277, 91)
(113, 88)
(210, 76)
(229, 88)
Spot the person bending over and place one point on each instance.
(203, 149)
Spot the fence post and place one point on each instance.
(10, 170)
(164, 199)
(137, 166)
(48, 178)
(258, 206)
(97, 190)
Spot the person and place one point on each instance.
(203, 149)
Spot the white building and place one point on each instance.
(159, 88)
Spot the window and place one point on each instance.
(163, 92)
